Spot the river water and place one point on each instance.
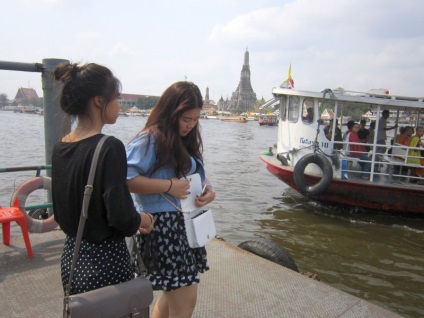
(374, 256)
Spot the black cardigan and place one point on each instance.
(111, 213)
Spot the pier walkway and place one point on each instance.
(239, 284)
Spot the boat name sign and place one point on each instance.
(305, 141)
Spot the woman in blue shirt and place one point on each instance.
(167, 149)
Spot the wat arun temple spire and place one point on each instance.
(243, 98)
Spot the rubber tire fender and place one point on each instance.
(271, 251)
(299, 174)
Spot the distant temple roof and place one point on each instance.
(26, 95)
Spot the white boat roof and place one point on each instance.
(355, 97)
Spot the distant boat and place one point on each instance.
(134, 111)
(268, 120)
(133, 114)
(236, 119)
(27, 109)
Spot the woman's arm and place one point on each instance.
(147, 223)
(144, 185)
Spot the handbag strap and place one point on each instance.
(138, 260)
(172, 203)
(86, 200)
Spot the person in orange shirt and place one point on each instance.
(405, 137)
(414, 155)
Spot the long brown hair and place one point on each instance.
(163, 123)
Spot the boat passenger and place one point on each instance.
(328, 131)
(401, 132)
(358, 151)
(90, 94)
(381, 132)
(309, 116)
(363, 133)
(415, 155)
(405, 137)
(349, 126)
(372, 132)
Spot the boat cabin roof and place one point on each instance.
(355, 97)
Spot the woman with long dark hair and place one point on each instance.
(167, 149)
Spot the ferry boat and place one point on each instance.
(320, 168)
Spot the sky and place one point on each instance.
(354, 44)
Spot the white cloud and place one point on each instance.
(120, 50)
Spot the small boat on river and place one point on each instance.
(321, 168)
(234, 119)
(268, 120)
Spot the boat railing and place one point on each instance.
(391, 161)
(37, 170)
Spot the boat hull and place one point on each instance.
(388, 198)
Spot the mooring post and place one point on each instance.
(56, 122)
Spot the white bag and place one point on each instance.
(200, 227)
(199, 223)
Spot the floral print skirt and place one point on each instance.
(169, 261)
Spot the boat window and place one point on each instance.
(308, 110)
(293, 109)
(326, 110)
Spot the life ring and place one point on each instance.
(299, 174)
(271, 251)
(22, 193)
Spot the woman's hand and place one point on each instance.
(179, 188)
(147, 223)
(206, 198)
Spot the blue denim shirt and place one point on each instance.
(141, 163)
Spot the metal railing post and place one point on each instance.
(56, 122)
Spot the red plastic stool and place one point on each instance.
(10, 214)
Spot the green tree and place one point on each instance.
(3, 100)
(147, 102)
